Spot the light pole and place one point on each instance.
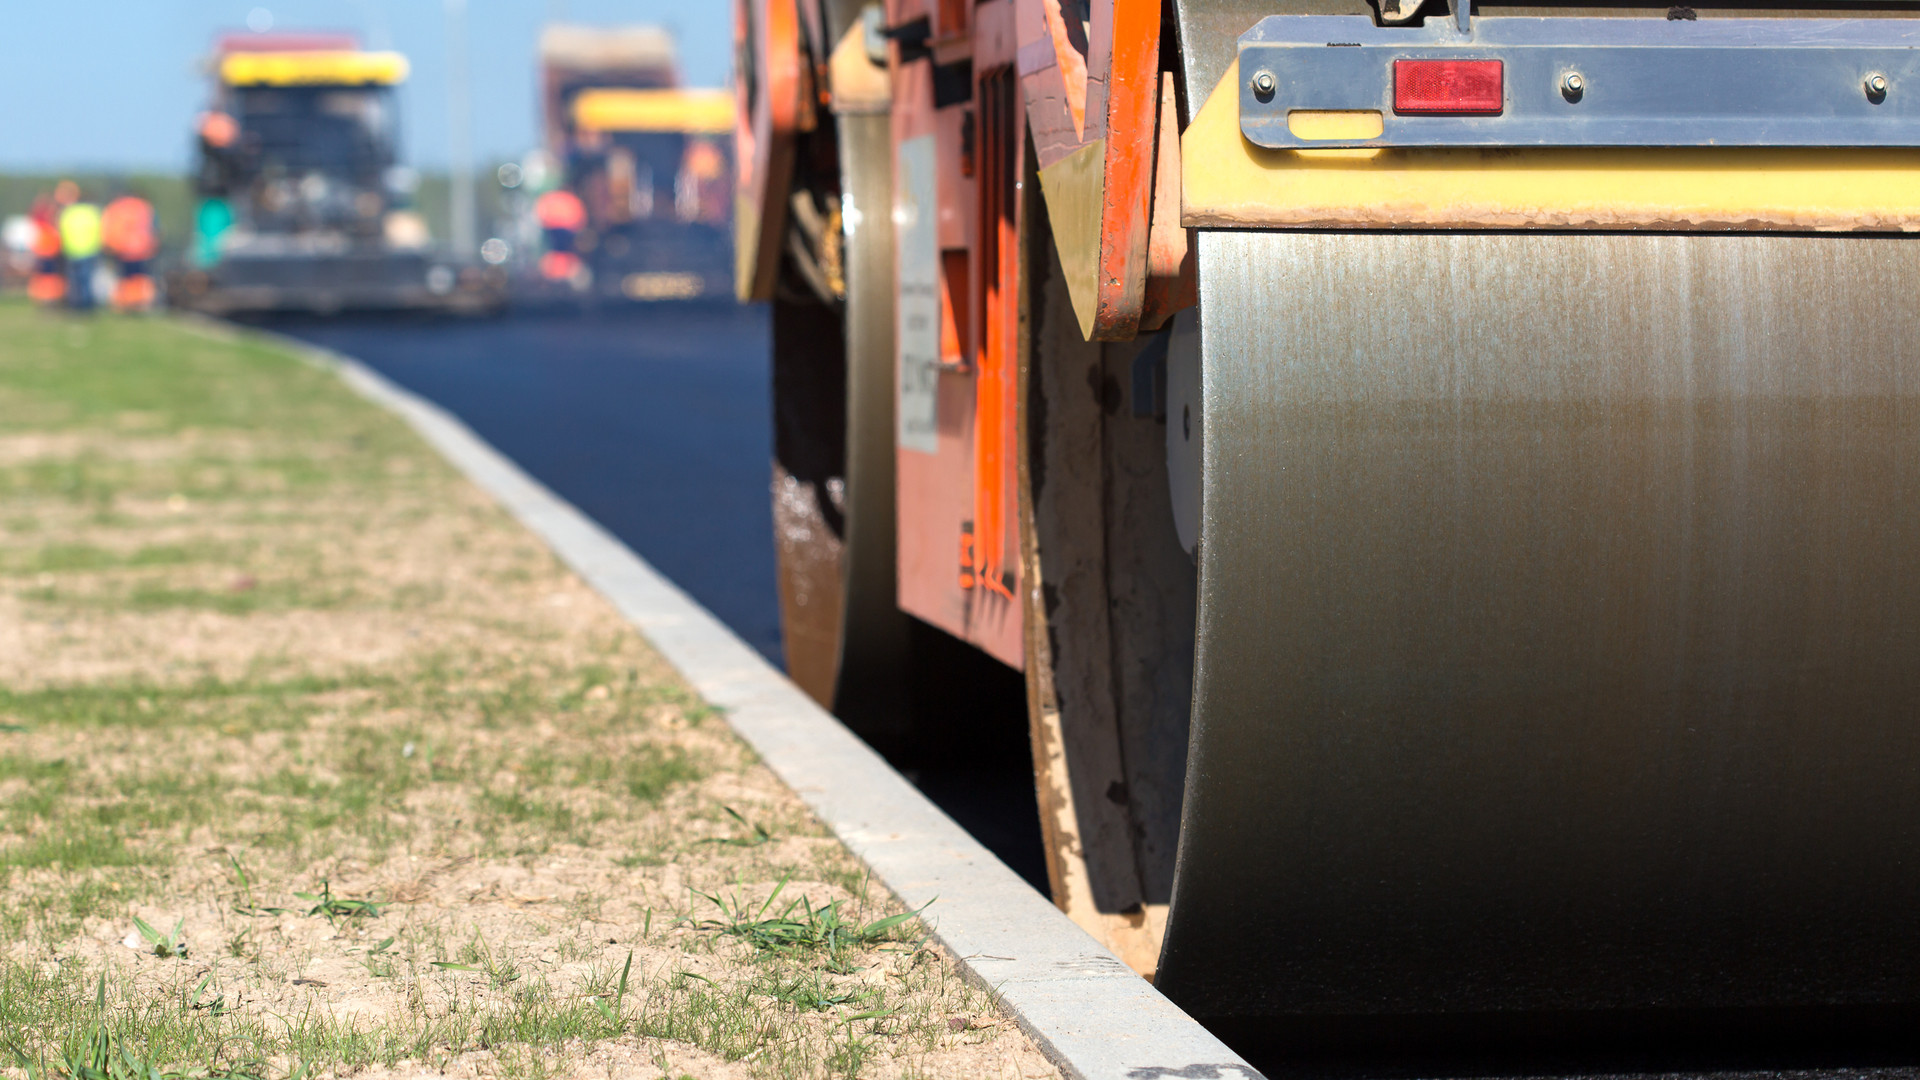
(459, 131)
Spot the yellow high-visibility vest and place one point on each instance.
(80, 231)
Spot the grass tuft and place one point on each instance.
(325, 905)
(167, 946)
(799, 927)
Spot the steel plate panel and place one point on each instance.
(1559, 626)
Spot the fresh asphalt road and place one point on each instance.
(655, 420)
(652, 420)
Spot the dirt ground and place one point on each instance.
(313, 762)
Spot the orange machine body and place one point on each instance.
(971, 81)
(955, 102)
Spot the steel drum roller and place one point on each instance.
(1559, 626)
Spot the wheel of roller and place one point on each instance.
(1109, 607)
(1557, 655)
(833, 468)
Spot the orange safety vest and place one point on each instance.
(46, 238)
(127, 228)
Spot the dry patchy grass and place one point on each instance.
(312, 762)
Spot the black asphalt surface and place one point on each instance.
(655, 420)
(652, 420)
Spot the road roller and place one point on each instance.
(1447, 471)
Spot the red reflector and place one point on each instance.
(1471, 87)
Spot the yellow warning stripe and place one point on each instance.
(313, 68)
(695, 111)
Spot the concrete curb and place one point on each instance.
(1088, 1012)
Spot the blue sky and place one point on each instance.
(114, 84)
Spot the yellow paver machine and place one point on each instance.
(304, 204)
(648, 160)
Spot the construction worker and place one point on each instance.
(219, 138)
(80, 243)
(561, 216)
(126, 227)
(701, 192)
(47, 285)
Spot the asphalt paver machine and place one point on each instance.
(1449, 473)
(304, 204)
(648, 158)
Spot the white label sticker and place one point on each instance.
(916, 224)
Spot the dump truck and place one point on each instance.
(304, 203)
(1447, 471)
(649, 161)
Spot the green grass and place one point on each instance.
(84, 557)
(797, 928)
(222, 420)
(809, 991)
(247, 598)
(753, 1021)
(72, 850)
(73, 1023)
(325, 905)
(144, 378)
(312, 795)
(76, 821)
(645, 773)
(649, 773)
(255, 704)
(59, 911)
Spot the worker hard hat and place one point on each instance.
(218, 130)
(560, 209)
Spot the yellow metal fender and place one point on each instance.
(1228, 182)
(1075, 187)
